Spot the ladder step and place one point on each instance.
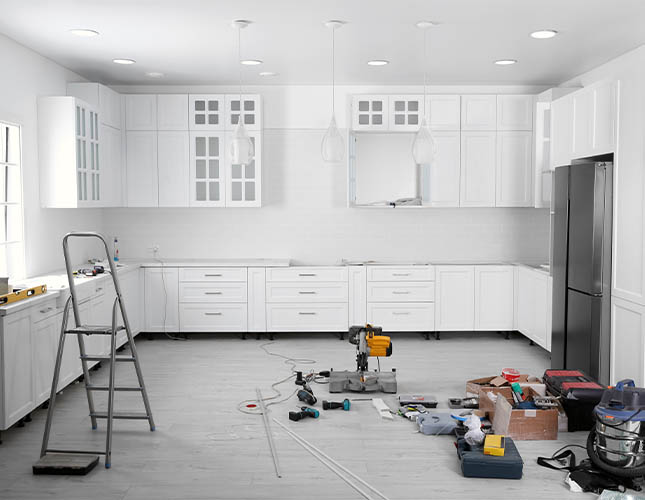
(122, 416)
(107, 357)
(93, 330)
(75, 452)
(106, 388)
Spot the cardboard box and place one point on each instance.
(528, 425)
(474, 387)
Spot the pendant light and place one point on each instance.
(332, 147)
(241, 148)
(424, 147)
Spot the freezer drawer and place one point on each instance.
(585, 334)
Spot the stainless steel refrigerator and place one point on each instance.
(581, 268)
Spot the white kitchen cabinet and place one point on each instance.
(494, 298)
(45, 334)
(207, 169)
(455, 298)
(478, 112)
(161, 299)
(141, 169)
(533, 307)
(244, 182)
(250, 109)
(111, 167)
(219, 317)
(102, 98)
(357, 290)
(406, 112)
(173, 168)
(445, 171)
(68, 153)
(207, 112)
(478, 166)
(515, 112)
(594, 118)
(370, 112)
(627, 341)
(141, 112)
(562, 131)
(312, 317)
(132, 291)
(172, 112)
(256, 310)
(582, 122)
(444, 112)
(402, 317)
(514, 173)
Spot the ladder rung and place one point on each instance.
(106, 357)
(74, 452)
(122, 416)
(93, 330)
(106, 388)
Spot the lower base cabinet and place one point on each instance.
(402, 317)
(214, 317)
(627, 341)
(313, 317)
(533, 309)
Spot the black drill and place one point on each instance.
(332, 405)
(304, 413)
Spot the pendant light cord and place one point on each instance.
(239, 62)
(425, 69)
(333, 71)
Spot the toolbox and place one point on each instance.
(474, 463)
(434, 424)
(579, 395)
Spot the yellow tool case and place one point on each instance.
(25, 293)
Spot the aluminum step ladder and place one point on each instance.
(53, 461)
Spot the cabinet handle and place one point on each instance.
(213, 314)
(394, 292)
(400, 274)
(307, 313)
(213, 293)
(307, 274)
(307, 292)
(47, 309)
(400, 313)
(100, 289)
(212, 275)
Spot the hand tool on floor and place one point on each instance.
(369, 342)
(307, 397)
(332, 405)
(267, 429)
(305, 412)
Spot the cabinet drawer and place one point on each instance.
(307, 274)
(400, 273)
(396, 317)
(212, 292)
(212, 274)
(404, 292)
(302, 292)
(45, 310)
(307, 317)
(212, 317)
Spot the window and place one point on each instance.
(12, 256)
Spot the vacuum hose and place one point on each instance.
(631, 473)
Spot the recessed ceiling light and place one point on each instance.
(250, 62)
(154, 74)
(268, 73)
(427, 24)
(378, 62)
(542, 34)
(83, 32)
(123, 61)
(505, 62)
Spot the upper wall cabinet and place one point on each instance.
(562, 131)
(173, 167)
(142, 174)
(370, 112)
(244, 182)
(172, 112)
(250, 109)
(207, 170)
(514, 173)
(105, 100)
(140, 112)
(515, 112)
(478, 169)
(479, 112)
(444, 112)
(207, 112)
(405, 112)
(445, 171)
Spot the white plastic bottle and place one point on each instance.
(116, 249)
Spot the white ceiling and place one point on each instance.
(191, 41)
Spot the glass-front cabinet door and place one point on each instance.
(207, 169)
(250, 109)
(88, 185)
(207, 112)
(244, 182)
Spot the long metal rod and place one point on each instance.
(267, 429)
(331, 464)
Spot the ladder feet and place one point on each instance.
(153, 428)
(108, 465)
(94, 427)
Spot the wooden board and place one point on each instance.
(65, 464)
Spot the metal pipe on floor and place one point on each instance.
(267, 429)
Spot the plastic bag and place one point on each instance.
(474, 436)
(617, 495)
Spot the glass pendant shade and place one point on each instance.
(424, 147)
(332, 144)
(241, 148)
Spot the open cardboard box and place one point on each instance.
(524, 424)
(474, 387)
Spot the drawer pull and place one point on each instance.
(100, 289)
(307, 274)
(212, 276)
(47, 309)
(400, 274)
(302, 292)
(400, 313)
(394, 292)
(213, 314)
(212, 293)
(307, 313)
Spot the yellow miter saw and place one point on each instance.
(370, 342)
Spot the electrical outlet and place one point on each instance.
(154, 248)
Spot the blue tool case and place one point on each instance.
(475, 464)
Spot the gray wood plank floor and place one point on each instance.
(204, 448)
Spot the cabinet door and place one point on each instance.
(455, 298)
(82, 152)
(256, 312)
(494, 297)
(110, 106)
(370, 112)
(406, 112)
(478, 112)
(173, 167)
(582, 123)
(161, 298)
(100, 314)
(207, 169)
(478, 160)
(207, 112)
(627, 341)
(111, 168)
(514, 173)
(561, 131)
(357, 295)
(444, 112)
(17, 369)
(93, 162)
(250, 109)
(604, 118)
(444, 173)
(45, 337)
(132, 292)
(244, 182)
(515, 112)
(141, 169)
(141, 112)
(532, 308)
(172, 112)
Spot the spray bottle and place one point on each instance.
(116, 249)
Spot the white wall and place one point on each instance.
(25, 76)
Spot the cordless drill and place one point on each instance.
(306, 395)
(304, 413)
(332, 405)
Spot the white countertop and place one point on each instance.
(215, 263)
